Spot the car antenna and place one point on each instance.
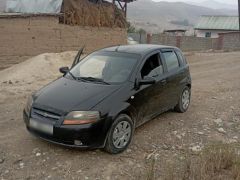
(117, 48)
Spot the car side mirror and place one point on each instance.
(147, 80)
(64, 70)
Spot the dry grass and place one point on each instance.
(215, 162)
(151, 169)
(85, 13)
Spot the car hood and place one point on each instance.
(65, 95)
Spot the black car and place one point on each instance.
(101, 99)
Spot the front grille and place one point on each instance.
(39, 113)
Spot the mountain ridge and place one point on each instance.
(158, 16)
(213, 4)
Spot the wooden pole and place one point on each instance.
(125, 9)
(239, 13)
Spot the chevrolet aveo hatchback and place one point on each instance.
(101, 99)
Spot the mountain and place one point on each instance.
(2, 6)
(215, 4)
(157, 16)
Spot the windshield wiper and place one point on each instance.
(92, 79)
(75, 78)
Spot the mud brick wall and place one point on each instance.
(26, 36)
(226, 41)
(186, 43)
(164, 40)
(190, 43)
(229, 41)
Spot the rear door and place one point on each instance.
(175, 74)
(186, 78)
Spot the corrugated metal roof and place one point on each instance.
(33, 6)
(218, 23)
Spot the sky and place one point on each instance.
(221, 1)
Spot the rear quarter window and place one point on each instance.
(181, 57)
(171, 60)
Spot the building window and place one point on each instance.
(208, 34)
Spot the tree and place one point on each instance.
(141, 31)
(130, 28)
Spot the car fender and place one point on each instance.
(124, 108)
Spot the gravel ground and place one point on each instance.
(214, 116)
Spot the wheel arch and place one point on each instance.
(189, 85)
(127, 109)
(131, 112)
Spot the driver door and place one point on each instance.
(148, 97)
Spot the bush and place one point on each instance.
(215, 162)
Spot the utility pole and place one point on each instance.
(239, 13)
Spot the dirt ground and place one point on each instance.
(214, 116)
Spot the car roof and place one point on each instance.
(141, 49)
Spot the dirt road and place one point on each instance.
(214, 115)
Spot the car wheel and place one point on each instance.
(120, 135)
(184, 100)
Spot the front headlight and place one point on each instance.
(29, 105)
(81, 117)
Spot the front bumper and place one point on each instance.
(87, 135)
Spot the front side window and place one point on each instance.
(152, 67)
(109, 67)
(171, 60)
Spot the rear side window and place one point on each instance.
(171, 60)
(181, 57)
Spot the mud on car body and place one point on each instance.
(101, 99)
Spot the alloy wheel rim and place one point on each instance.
(185, 99)
(122, 134)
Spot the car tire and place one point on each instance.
(184, 100)
(120, 135)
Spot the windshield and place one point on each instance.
(105, 67)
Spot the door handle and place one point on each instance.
(164, 81)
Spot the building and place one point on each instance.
(175, 32)
(50, 6)
(211, 26)
(32, 27)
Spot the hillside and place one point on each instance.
(2, 6)
(215, 4)
(157, 16)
